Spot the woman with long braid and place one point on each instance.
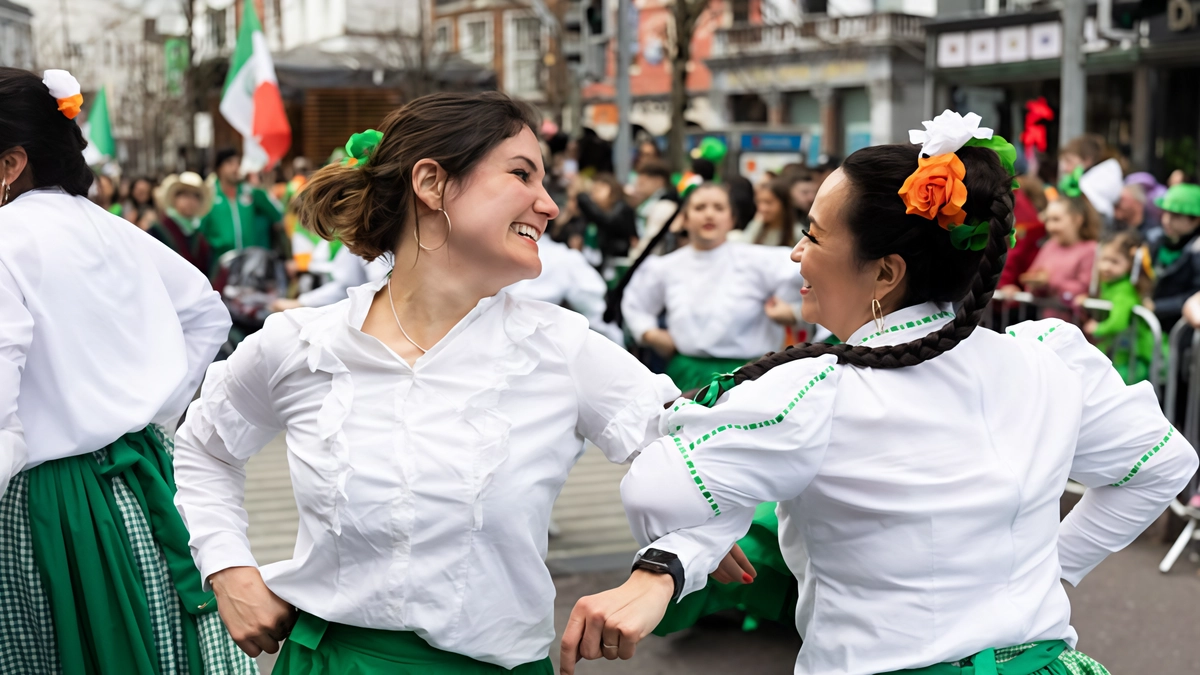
(929, 520)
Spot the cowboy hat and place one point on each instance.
(189, 180)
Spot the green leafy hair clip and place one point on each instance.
(361, 146)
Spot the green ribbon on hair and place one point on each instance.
(1006, 151)
(708, 396)
(360, 146)
(1069, 184)
(970, 236)
(1012, 238)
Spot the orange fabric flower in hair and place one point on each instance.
(70, 105)
(936, 191)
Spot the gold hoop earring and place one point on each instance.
(449, 227)
(4, 184)
(877, 313)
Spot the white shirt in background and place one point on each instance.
(339, 273)
(927, 497)
(714, 299)
(103, 329)
(424, 491)
(568, 278)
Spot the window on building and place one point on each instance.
(741, 11)
(748, 108)
(525, 64)
(216, 27)
(441, 38)
(475, 39)
(855, 107)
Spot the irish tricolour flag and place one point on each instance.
(251, 102)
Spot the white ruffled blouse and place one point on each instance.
(926, 497)
(424, 491)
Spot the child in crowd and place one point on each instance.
(1176, 252)
(1063, 268)
(1125, 279)
(1029, 201)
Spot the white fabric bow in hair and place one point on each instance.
(60, 83)
(948, 132)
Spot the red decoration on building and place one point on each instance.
(1034, 136)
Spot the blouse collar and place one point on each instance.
(904, 325)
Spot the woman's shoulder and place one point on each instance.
(1064, 339)
(525, 316)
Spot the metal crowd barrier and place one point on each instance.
(1190, 427)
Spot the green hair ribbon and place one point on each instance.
(360, 146)
(970, 236)
(708, 396)
(1012, 238)
(1069, 184)
(974, 236)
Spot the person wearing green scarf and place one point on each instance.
(185, 203)
(242, 215)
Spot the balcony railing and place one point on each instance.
(819, 33)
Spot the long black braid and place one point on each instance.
(920, 242)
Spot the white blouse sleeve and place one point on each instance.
(1128, 455)
(620, 401)
(763, 441)
(645, 298)
(16, 334)
(202, 315)
(231, 421)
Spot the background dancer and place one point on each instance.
(104, 335)
(930, 520)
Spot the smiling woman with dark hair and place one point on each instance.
(431, 418)
(924, 522)
(104, 336)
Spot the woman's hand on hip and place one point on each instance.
(257, 619)
(610, 624)
(660, 341)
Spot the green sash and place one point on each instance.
(102, 620)
(318, 646)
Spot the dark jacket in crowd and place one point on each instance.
(617, 226)
(1177, 272)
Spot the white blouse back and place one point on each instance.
(103, 329)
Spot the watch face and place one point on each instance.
(661, 557)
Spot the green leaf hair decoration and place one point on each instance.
(1069, 184)
(970, 236)
(360, 147)
(1006, 151)
(1012, 238)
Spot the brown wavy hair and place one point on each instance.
(365, 206)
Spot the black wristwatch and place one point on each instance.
(662, 562)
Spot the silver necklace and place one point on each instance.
(397, 317)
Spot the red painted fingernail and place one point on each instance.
(747, 579)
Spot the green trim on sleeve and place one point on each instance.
(685, 451)
(1145, 458)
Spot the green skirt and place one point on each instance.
(317, 646)
(1050, 657)
(772, 595)
(95, 572)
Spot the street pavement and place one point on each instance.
(1129, 617)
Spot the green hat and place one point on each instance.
(1183, 198)
(712, 149)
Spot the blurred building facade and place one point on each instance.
(16, 36)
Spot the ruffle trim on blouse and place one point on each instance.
(335, 407)
(520, 358)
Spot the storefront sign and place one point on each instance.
(771, 142)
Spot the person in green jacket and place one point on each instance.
(242, 215)
(1124, 281)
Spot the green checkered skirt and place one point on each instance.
(95, 515)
